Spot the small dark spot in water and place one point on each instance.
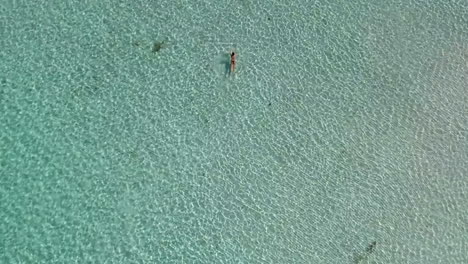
(136, 43)
(158, 45)
(4, 81)
(269, 104)
(324, 21)
(371, 247)
(269, 18)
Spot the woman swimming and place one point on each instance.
(233, 61)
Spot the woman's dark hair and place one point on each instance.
(232, 54)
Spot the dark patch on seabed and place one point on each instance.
(371, 247)
(369, 250)
(3, 85)
(158, 46)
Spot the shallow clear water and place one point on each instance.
(345, 123)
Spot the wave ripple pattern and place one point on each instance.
(342, 137)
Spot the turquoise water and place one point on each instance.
(345, 124)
